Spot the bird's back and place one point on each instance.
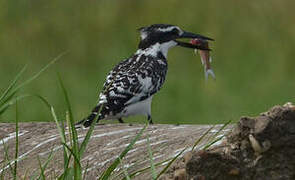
(131, 81)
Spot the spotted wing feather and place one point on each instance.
(133, 80)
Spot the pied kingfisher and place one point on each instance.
(130, 85)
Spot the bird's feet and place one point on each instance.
(120, 120)
(150, 119)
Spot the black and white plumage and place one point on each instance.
(130, 85)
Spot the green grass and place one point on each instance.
(252, 54)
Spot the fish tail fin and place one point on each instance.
(209, 72)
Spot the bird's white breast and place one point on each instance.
(139, 108)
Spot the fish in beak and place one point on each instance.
(205, 56)
(190, 35)
(201, 45)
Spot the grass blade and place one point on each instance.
(6, 103)
(85, 172)
(75, 147)
(68, 176)
(70, 116)
(25, 176)
(202, 137)
(66, 154)
(41, 71)
(124, 169)
(153, 170)
(63, 138)
(16, 142)
(220, 129)
(106, 174)
(42, 100)
(42, 168)
(42, 175)
(2, 173)
(170, 163)
(4, 107)
(88, 135)
(212, 142)
(68, 124)
(87, 138)
(12, 84)
(133, 174)
(59, 128)
(73, 154)
(140, 161)
(67, 170)
(213, 138)
(6, 155)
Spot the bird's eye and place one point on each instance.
(175, 30)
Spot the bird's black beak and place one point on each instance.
(193, 36)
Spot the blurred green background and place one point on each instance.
(253, 55)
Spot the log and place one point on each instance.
(106, 143)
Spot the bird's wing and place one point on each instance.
(131, 81)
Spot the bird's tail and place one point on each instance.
(86, 122)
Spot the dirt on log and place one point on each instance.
(259, 148)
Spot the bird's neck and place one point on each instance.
(157, 49)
